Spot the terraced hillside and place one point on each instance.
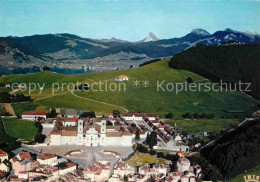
(134, 98)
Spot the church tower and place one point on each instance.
(103, 130)
(80, 132)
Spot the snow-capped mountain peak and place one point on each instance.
(200, 31)
(150, 38)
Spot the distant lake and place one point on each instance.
(67, 71)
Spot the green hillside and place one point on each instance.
(20, 129)
(133, 99)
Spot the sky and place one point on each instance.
(126, 19)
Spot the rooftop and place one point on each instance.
(46, 156)
(3, 153)
(34, 113)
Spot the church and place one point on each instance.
(91, 132)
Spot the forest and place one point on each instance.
(236, 151)
(230, 63)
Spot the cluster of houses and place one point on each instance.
(69, 129)
(147, 122)
(26, 166)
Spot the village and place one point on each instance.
(101, 148)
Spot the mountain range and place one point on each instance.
(68, 50)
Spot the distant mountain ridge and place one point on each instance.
(68, 49)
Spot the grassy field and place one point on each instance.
(7, 143)
(201, 125)
(240, 178)
(20, 129)
(134, 99)
(143, 159)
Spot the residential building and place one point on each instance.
(25, 165)
(47, 159)
(183, 164)
(139, 116)
(121, 169)
(97, 171)
(33, 115)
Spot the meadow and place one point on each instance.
(198, 126)
(133, 98)
(144, 159)
(17, 128)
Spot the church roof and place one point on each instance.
(68, 133)
(114, 134)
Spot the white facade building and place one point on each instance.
(139, 116)
(33, 115)
(47, 159)
(89, 133)
(121, 169)
(183, 164)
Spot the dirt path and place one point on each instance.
(8, 107)
(100, 102)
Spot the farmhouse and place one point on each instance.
(33, 115)
(122, 78)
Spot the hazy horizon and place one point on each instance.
(124, 19)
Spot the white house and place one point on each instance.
(47, 159)
(122, 78)
(97, 171)
(69, 168)
(121, 169)
(183, 164)
(139, 116)
(33, 115)
(4, 166)
(69, 121)
(177, 138)
(132, 116)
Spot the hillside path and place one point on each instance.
(99, 102)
